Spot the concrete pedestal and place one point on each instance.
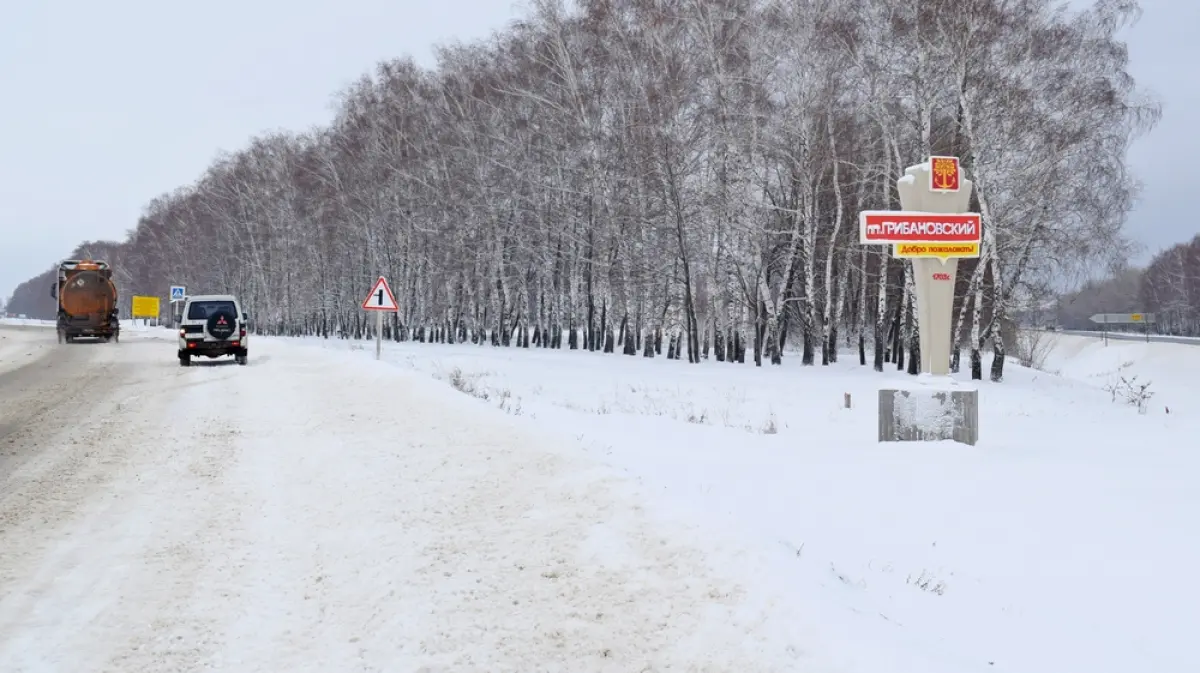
(928, 412)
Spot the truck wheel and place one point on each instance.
(185, 361)
(242, 359)
(60, 336)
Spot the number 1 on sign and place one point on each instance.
(380, 299)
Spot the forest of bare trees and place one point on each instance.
(1168, 287)
(678, 177)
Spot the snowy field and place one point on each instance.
(1064, 541)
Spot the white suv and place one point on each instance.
(212, 325)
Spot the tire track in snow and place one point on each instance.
(111, 522)
(53, 412)
(390, 529)
(164, 631)
(56, 387)
(65, 508)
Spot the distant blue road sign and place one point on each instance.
(177, 293)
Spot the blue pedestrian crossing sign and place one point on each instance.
(177, 293)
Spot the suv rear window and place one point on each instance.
(200, 310)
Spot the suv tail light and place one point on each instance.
(243, 332)
(182, 332)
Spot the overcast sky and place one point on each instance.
(109, 104)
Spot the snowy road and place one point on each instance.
(311, 513)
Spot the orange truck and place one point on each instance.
(87, 301)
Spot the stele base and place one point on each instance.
(932, 409)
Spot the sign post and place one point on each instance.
(1106, 319)
(934, 230)
(379, 300)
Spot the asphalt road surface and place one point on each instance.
(1129, 336)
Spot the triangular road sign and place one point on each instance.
(381, 298)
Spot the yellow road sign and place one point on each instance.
(145, 307)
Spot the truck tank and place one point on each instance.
(87, 301)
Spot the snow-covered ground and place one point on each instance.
(317, 512)
(26, 339)
(25, 322)
(470, 508)
(1171, 369)
(1064, 541)
(19, 346)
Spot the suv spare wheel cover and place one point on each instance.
(220, 324)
